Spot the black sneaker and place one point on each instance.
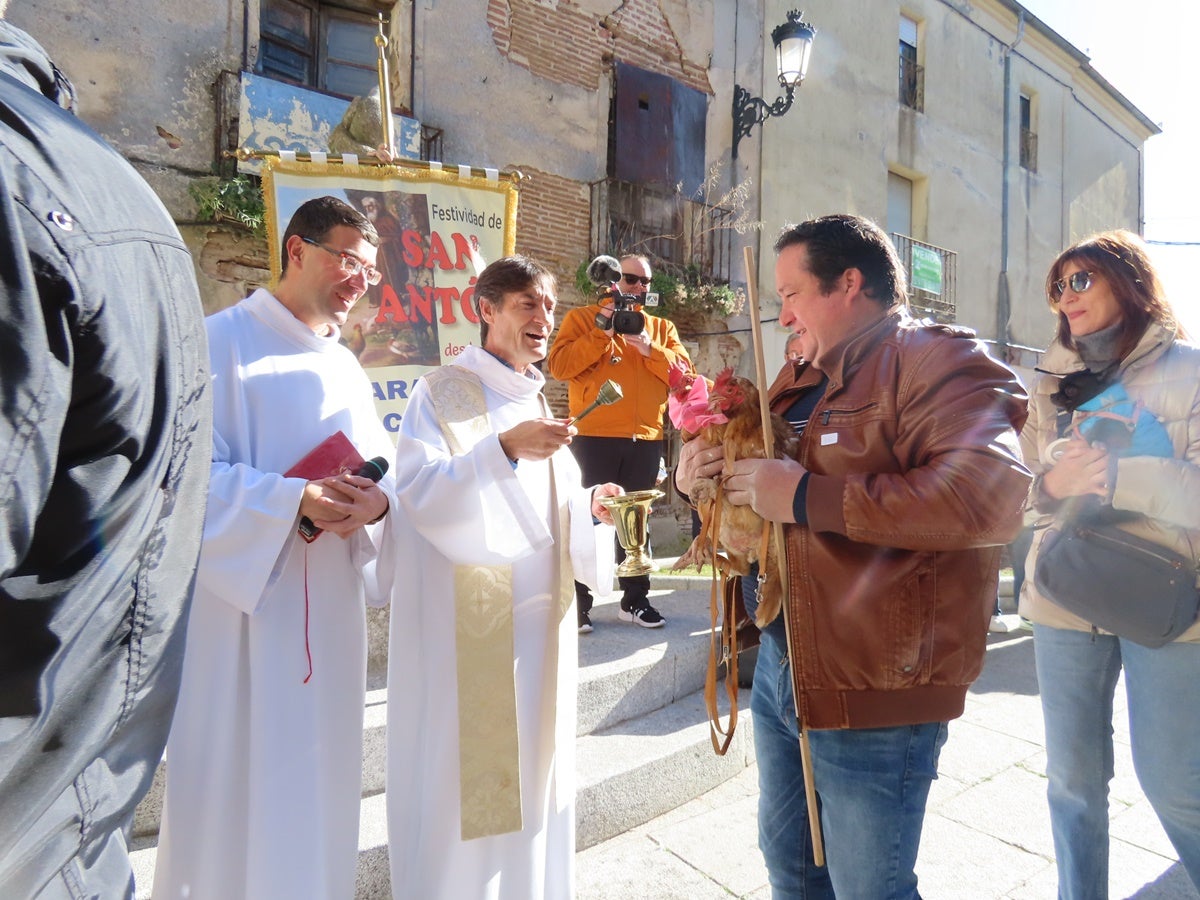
(585, 623)
(646, 616)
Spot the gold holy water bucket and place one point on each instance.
(631, 515)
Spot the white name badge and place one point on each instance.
(828, 438)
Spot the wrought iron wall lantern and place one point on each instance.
(793, 44)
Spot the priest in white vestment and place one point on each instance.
(264, 760)
(482, 665)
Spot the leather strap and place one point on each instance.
(723, 635)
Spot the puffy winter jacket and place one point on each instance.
(1163, 374)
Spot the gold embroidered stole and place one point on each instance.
(489, 749)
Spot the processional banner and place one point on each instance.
(438, 228)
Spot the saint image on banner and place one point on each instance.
(396, 326)
(438, 228)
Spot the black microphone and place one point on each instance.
(374, 469)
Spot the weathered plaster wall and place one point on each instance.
(572, 43)
(144, 71)
(1087, 178)
(538, 73)
(229, 264)
(526, 84)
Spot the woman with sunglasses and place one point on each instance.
(1116, 331)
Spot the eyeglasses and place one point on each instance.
(631, 280)
(349, 263)
(1077, 281)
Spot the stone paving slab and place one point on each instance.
(987, 828)
(987, 832)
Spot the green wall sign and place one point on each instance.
(926, 269)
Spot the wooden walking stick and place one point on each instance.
(760, 372)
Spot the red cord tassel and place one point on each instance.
(307, 648)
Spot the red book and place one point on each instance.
(332, 456)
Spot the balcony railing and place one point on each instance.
(677, 233)
(1028, 150)
(431, 143)
(912, 84)
(932, 278)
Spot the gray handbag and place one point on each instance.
(1121, 583)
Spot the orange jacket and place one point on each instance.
(586, 357)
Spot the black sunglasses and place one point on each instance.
(631, 280)
(1077, 281)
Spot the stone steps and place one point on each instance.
(649, 765)
(643, 745)
(148, 815)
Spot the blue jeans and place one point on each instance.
(1077, 677)
(872, 785)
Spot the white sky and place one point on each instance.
(1146, 50)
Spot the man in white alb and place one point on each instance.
(265, 755)
(483, 653)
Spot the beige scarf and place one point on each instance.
(489, 751)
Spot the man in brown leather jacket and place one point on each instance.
(906, 483)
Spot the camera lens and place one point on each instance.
(628, 321)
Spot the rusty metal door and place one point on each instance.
(657, 130)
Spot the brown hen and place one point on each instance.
(727, 415)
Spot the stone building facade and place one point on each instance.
(970, 130)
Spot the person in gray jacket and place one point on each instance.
(105, 432)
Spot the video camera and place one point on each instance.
(605, 272)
